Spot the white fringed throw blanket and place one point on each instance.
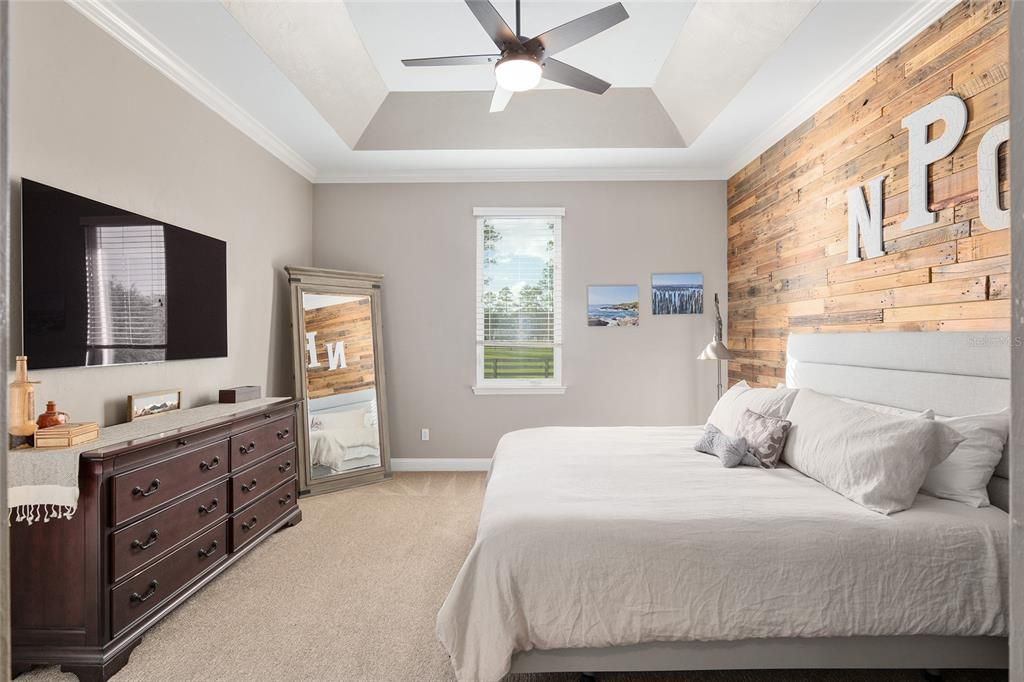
(43, 484)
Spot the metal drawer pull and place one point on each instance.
(136, 597)
(281, 435)
(150, 541)
(250, 525)
(285, 500)
(212, 464)
(285, 467)
(249, 488)
(153, 487)
(206, 509)
(209, 551)
(182, 442)
(247, 450)
(267, 416)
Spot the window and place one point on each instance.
(519, 300)
(127, 294)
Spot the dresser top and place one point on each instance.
(142, 432)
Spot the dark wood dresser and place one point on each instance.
(158, 518)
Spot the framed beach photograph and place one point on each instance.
(142, 405)
(613, 305)
(680, 293)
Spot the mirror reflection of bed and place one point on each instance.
(343, 433)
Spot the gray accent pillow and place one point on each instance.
(732, 451)
(766, 436)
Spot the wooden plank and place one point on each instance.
(949, 291)
(987, 245)
(899, 279)
(983, 266)
(950, 311)
(994, 324)
(999, 286)
(937, 254)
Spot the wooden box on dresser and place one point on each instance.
(158, 518)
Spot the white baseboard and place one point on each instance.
(440, 464)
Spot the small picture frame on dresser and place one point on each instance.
(143, 405)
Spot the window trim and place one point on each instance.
(553, 386)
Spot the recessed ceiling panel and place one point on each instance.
(628, 55)
(316, 46)
(630, 118)
(741, 36)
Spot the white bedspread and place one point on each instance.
(596, 537)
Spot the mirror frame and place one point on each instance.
(303, 280)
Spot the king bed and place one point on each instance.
(604, 549)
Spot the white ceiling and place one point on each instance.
(204, 47)
(628, 55)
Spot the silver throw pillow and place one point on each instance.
(766, 436)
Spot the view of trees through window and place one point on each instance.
(518, 298)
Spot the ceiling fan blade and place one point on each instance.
(492, 23)
(578, 30)
(560, 72)
(461, 60)
(500, 99)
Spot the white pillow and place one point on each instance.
(964, 476)
(888, 409)
(769, 402)
(877, 460)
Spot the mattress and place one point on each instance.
(598, 537)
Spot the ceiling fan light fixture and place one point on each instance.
(518, 72)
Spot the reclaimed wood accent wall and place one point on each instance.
(787, 209)
(352, 324)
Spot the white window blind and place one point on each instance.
(519, 300)
(127, 287)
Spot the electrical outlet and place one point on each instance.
(424, 434)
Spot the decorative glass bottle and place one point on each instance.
(22, 409)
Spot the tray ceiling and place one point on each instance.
(629, 55)
(699, 88)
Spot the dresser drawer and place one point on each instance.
(154, 585)
(251, 523)
(255, 444)
(136, 492)
(248, 485)
(150, 538)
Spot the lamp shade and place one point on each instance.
(716, 350)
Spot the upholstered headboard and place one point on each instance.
(953, 373)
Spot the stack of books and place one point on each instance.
(67, 435)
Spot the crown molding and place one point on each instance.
(129, 33)
(914, 21)
(524, 175)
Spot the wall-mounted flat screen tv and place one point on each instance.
(105, 286)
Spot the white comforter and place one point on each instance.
(596, 537)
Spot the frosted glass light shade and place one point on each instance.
(517, 73)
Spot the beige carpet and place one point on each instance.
(350, 594)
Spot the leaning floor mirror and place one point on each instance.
(339, 375)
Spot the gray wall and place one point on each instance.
(1017, 432)
(421, 238)
(90, 117)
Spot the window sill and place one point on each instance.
(519, 390)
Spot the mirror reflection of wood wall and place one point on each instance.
(350, 324)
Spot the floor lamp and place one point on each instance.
(717, 350)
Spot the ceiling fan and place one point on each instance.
(522, 62)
